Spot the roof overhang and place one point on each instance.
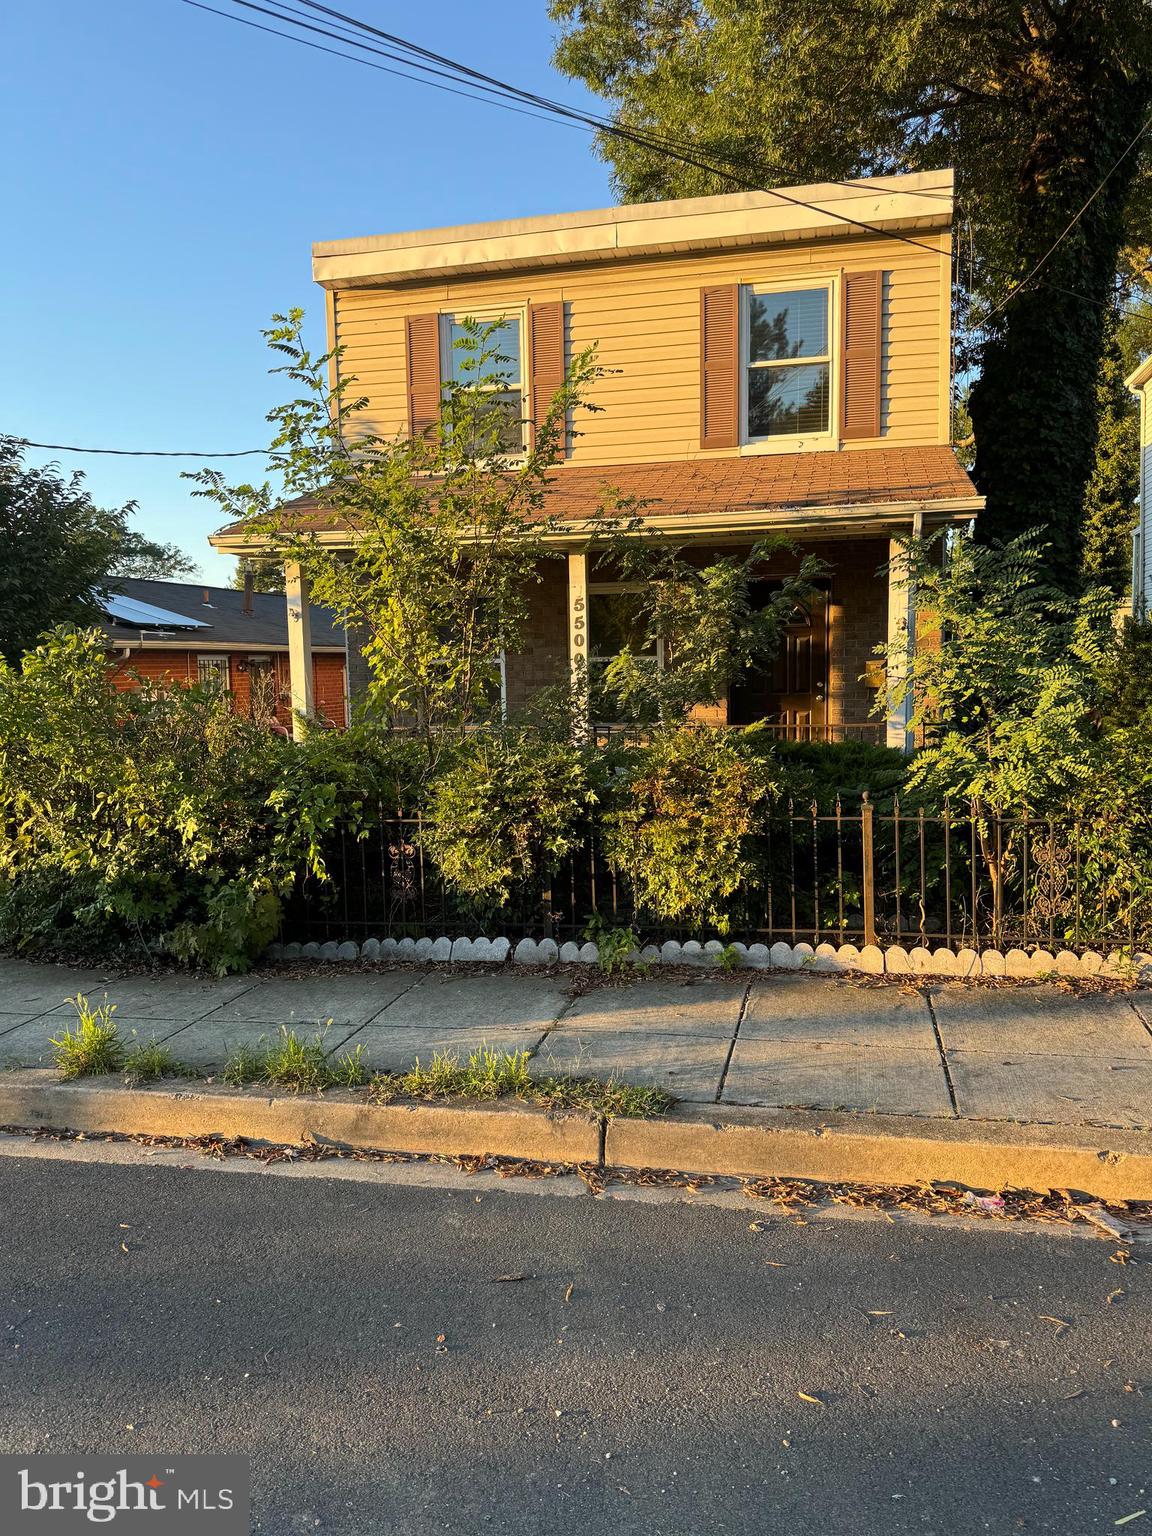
(917, 204)
(877, 519)
(1137, 379)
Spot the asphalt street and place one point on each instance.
(367, 1344)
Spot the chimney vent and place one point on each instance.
(249, 587)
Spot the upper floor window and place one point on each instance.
(485, 351)
(787, 362)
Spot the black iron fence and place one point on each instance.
(957, 878)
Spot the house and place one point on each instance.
(177, 632)
(778, 363)
(1140, 382)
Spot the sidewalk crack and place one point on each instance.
(943, 1054)
(732, 1043)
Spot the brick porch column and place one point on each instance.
(298, 593)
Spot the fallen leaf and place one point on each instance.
(568, 1292)
(809, 1397)
(1062, 1324)
(1121, 1256)
(507, 1279)
(775, 1264)
(881, 1314)
(1068, 1396)
(125, 1247)
(1135, 1515)
(1112, 1295)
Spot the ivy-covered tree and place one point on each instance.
(60, 549)
(1110, 495)
(1037, 103)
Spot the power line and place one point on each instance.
(142, 453)
(586, 120)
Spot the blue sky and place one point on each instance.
(165, 174)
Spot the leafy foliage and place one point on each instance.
(1110, 496)
(1006, 702)
(681, 820)
(135, 819)
(450, 526)
(60, 549)
(711, 620)
(511, 800)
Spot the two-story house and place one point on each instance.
(778, 362)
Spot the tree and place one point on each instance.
(1110, 495)
(267, 575)
(1038, 104)
(450, 528)
(60, 549)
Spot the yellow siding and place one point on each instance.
(644, 315)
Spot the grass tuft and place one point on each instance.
(148, 1063)
(299, 1066)
(489, 1074)
(93, 1046)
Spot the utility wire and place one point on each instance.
(585, 120)
(1071, 225)
(141, 453)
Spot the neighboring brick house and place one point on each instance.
(178, 632)
(777, 363)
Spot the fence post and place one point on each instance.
(868, 880)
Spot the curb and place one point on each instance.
(887, 1149)
(720, 1140)
(39, 1100)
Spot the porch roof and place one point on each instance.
(871, 489)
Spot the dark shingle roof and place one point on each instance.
(266, 625)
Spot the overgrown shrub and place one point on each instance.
(135, 819)
(511, 801)
(683, 816)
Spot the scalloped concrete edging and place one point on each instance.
(723, 1140)
(896, 960)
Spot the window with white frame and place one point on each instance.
(787, 362)
(486, 351)
(212, 671)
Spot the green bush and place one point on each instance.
(683, 816)
(510, 801)
(135, 820)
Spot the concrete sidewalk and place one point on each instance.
(1030, 1055)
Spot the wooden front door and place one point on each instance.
(792, 694)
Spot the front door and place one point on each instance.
(791, 694)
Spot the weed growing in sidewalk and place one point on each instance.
(489, 1074)
(91, 1048)
(300, 1066)
(148, 1063)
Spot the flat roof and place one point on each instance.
(919, 202)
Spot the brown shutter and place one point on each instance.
(546, 361)
(720, 367)
(860, 366)
(424, 385)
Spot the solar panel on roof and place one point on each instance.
(129, 610)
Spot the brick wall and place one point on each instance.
(182, 667)
(543, 659)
